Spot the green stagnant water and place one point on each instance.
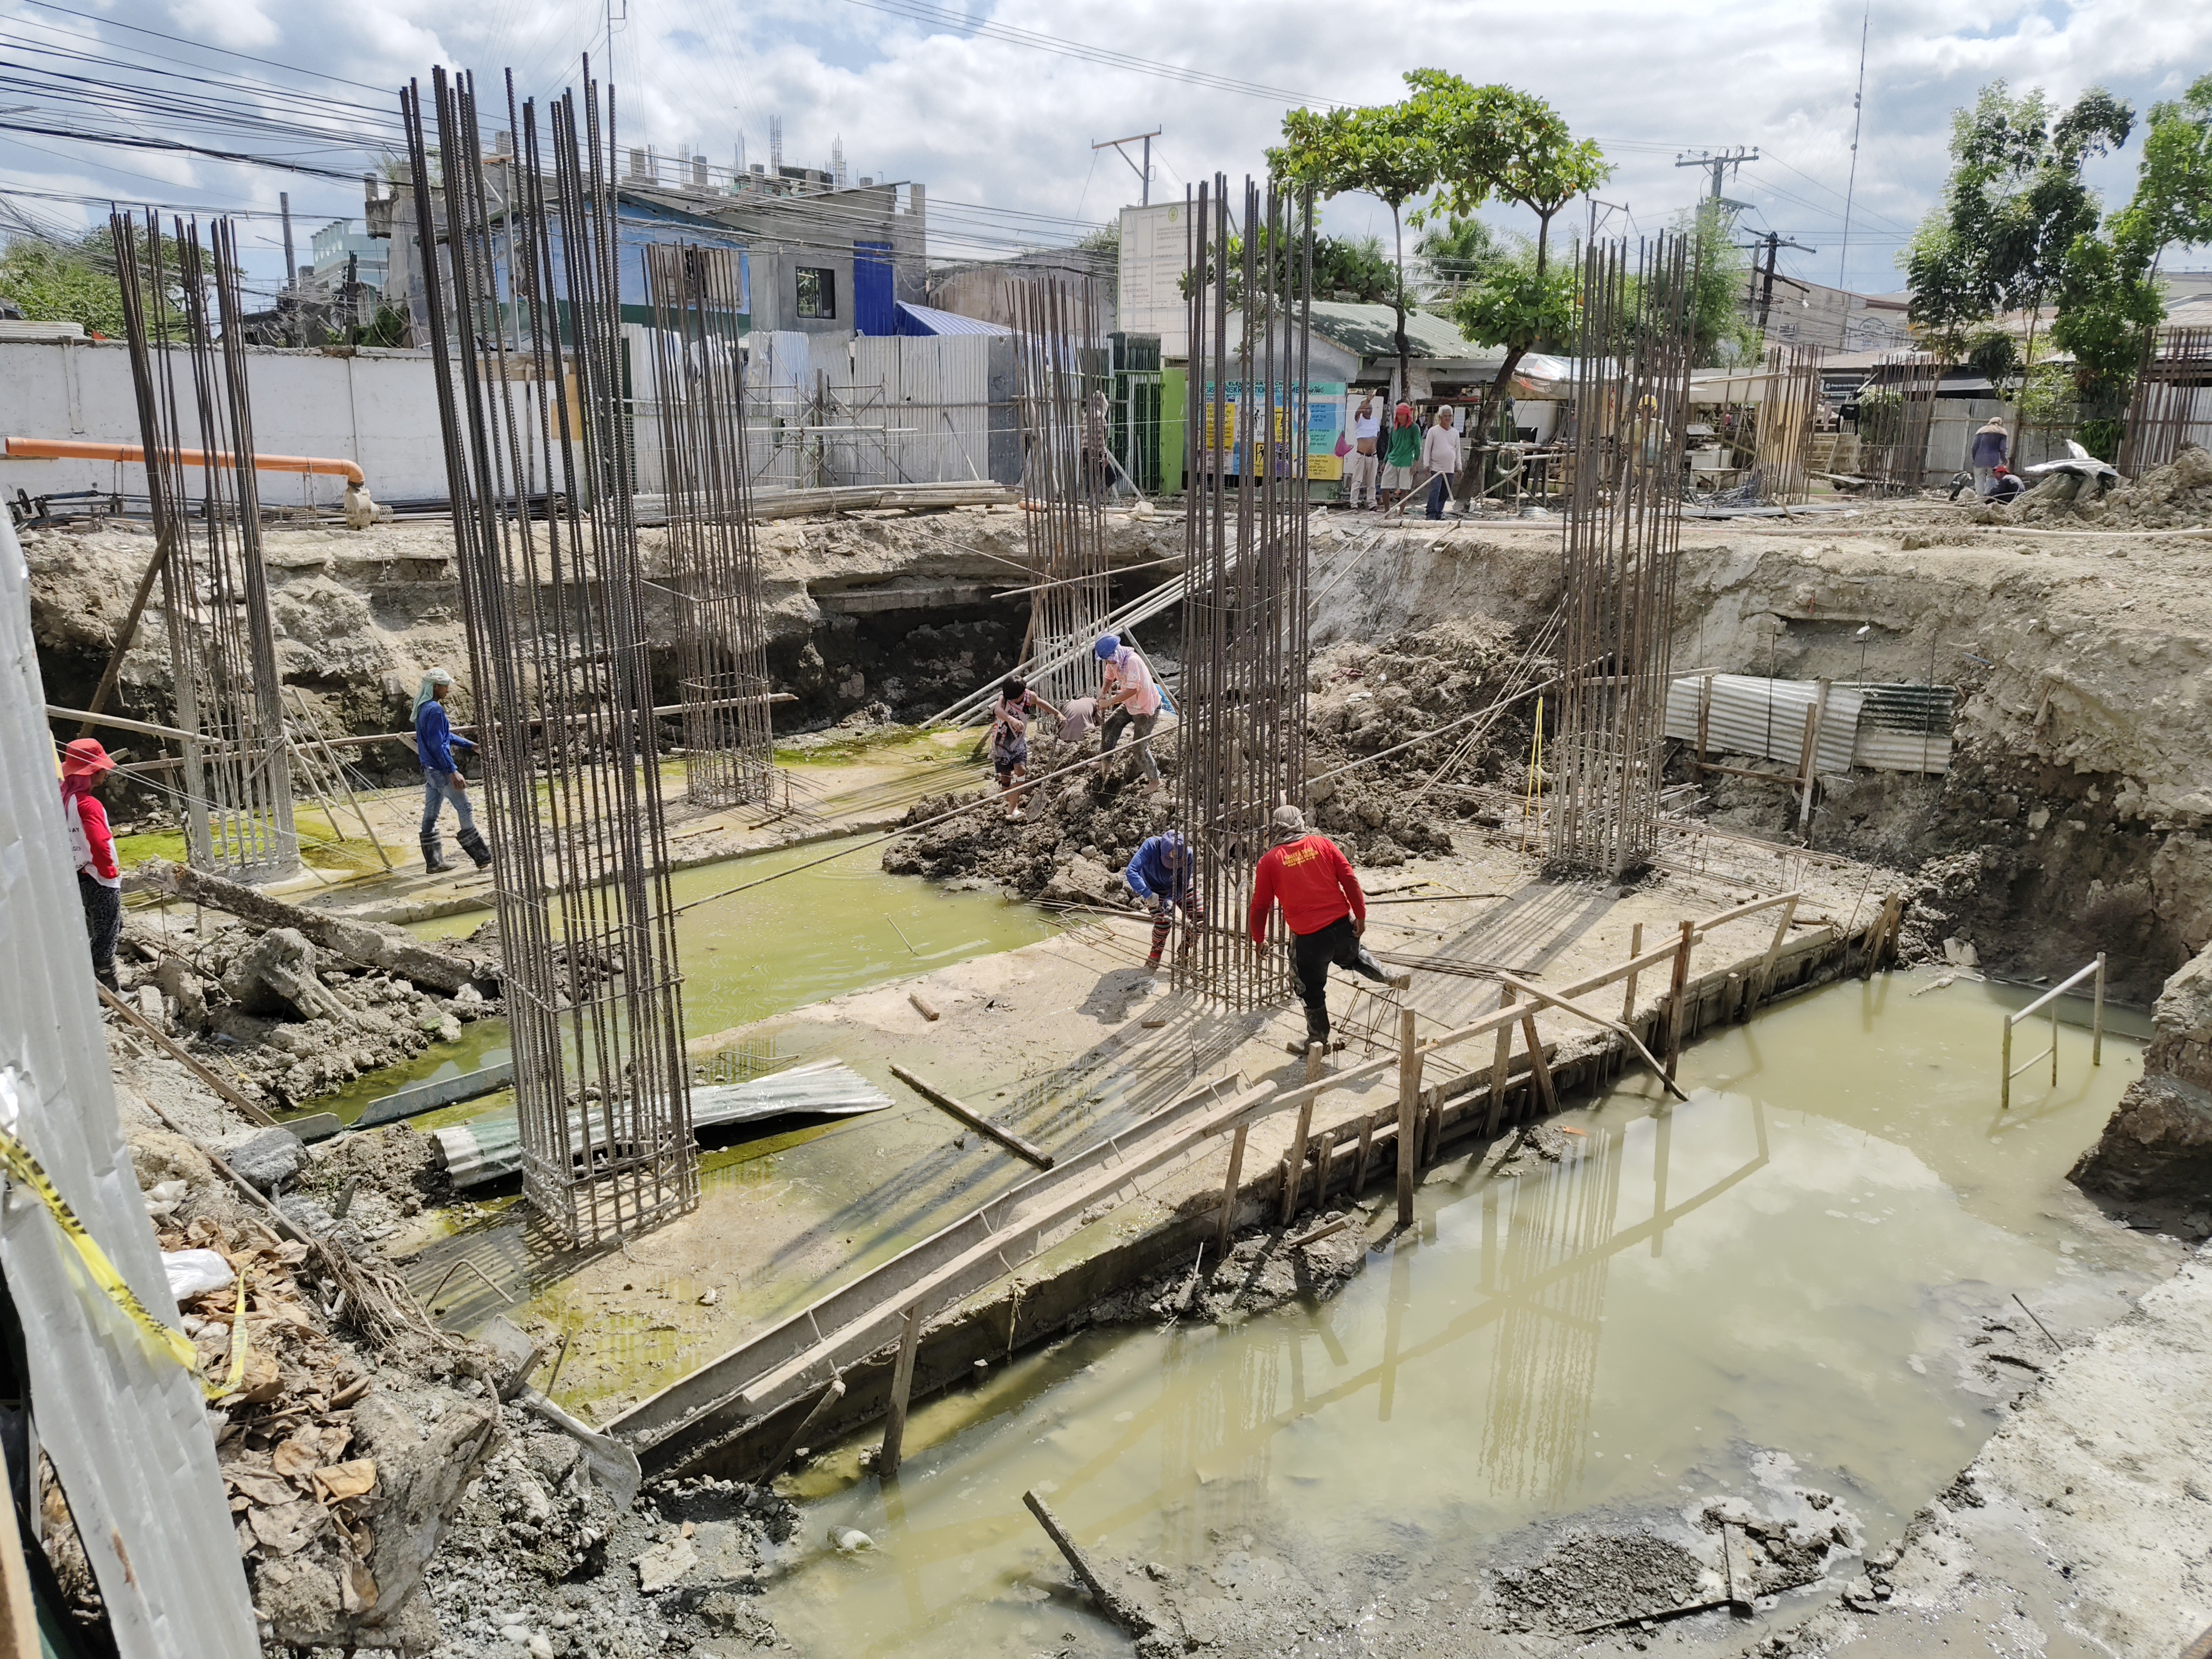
(1788, 1264)
(817, 933)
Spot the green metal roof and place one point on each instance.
(1372, 332)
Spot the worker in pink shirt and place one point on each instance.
(1130, 701)
(1309, 875)
(92, 845)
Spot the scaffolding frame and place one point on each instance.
(1623, 541)
(537, 457)
(1242, 693)
(697, 296)
(225, 689)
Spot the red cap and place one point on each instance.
(85, 758)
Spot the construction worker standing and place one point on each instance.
(99, 878)
(434, 743)
(1325, 910)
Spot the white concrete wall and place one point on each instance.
(378, 409)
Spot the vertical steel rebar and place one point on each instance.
(520, 282)
(1241, 697)
(1060, 359)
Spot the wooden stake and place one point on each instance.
(1294, 1170)
(1764, 981)
(1432, 1122)
(1409, 1100)
(973, 1119)
(1229, 1190)
(799, 1440)
(1115, 1606)
(1539, 1069)
(1814, 717)
(1635, 949)
(19, 1614)
(1677, 993)
(887, 1460)
(1705, 719)
(1324, 1150)
(1366, 1147)
(2097, 1018)
(1498, 1066)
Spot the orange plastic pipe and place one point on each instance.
(76, 449)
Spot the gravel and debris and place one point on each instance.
(1590, 1578)
(2176, 495)
(1262, 1271)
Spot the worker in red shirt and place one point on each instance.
(1325, 910)
(99, 878)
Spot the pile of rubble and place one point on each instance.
(296, 1002)
(2175, 496)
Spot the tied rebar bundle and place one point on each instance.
(1785, 421)
(1894, 418)
(698, 300)
(2169, 409)
(1243, 695)
(521, 285)
(1061, 363)
(1624, 534)
(214, 586)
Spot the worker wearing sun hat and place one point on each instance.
(92, 845)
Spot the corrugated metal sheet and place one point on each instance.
(927, 321)
(1895, 728)
(121, 1418)
(1905, 728)
(1752, 715)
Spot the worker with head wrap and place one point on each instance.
(85, 765)
(1163, 873)
(434, 743)
(1324, 909)
(1130, 700)
(1401, 457)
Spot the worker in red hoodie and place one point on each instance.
(99, 878)
(1325, 910)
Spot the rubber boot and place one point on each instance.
(1317, 1031)
(473, 844)
(433, 856)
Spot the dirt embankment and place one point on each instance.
(904, 611)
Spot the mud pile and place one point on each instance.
(1368, 700)
(2175, 496)
(1261, 1272)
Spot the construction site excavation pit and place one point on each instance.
(1799, 1301)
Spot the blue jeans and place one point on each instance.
(1439, 492)
(439, 786)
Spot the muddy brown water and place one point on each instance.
(811, 935)
(1779, 1283)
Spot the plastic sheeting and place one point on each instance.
(122, 1420)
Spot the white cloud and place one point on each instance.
(986, 121)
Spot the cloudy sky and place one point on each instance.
(999, 119)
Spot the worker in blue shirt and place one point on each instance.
(434, 743)
(1163, 872)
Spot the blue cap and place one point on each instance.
(1107, 648)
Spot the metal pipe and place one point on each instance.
(79, 449)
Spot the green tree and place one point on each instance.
(1346, 267)
(1384, 151)
(2012, 206)
(74, 282)
(1457, 254)
(1721, 332)
(2109, 303)
(1494, 142)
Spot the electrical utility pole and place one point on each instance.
(1144, 173)
(1718, 165)
(1771, 244)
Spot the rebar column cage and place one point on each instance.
(1241, 696)
(521, 291)
(697, 296)
(1623, 538)
(226, 690)
(2173, 401)
(1893, 432)
(1785, 421)
(1061, 381)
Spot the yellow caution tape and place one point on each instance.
(216, 1391)
(25, 1168)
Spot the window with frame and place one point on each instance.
(817, 291)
